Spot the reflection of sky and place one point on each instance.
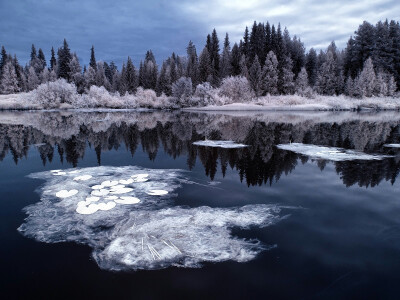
(121, 28)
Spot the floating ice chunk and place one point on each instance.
(392, 145)
(126, 233)
(87, 210)
(59, 173)
(220, 144)
(121, 191)
(106, 206)
(73, 172)
(66, 194)
(92, 199)
(157, 192)
(128, 181)
(97, 187)
(140, 177)
(55, 171)
(109, 183)
(329, 153)
(127, 200)
(102, 192)
(83, 177)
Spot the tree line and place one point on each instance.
(269, 59)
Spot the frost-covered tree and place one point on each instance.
(349, 88)
(286, 78)
(148, 72)
(326, 79)
(255, 77)
(44, 76)
(75, 74)
(302, 87)
(52, 76)
(90, 77)
(164, 80)
(101, 78)
(9, 80)
(244, 71)
(203, 91)
(270, 74)
(312, 66)
(33, 79)
(236, 88)
(182, 90)
(366, 81)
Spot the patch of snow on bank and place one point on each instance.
(392, 145)
(140, 229)
(329, 153)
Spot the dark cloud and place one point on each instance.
(120, 28)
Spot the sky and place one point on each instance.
(122, 28)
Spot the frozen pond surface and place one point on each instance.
(134, 206)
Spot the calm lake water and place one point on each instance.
(250, 222)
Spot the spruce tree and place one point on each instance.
(225, 62)
(312, 66)
(255, 76)
(235, 60)
(130, 78)
(286, 77)
(64, 57)
(326, 79)
(270, 74)
(9, 80)
(53, 61)
(92, 62)
(205, 68)
(192, 69)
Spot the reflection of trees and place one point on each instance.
(261, 163)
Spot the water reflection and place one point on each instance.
(68, 134)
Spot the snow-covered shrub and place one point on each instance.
(202, 94)
(146, 98)
(182, 90)
(237, 88)
(53, 94)
(100, 97)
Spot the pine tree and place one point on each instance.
(204, 65)
(367, 80)
(90, 77)
(53, 61)
(64, 57)
(3, 59)
(75, 74)
(214, 58)
(235, 60)
(270, 74)
(326, 79)
(33, 80)
(33, 53)
(9, 80)
(92, 62)
(302, 82)
(246, 42)
(130, 77)
(244, 71)
(225, 62)
(286, 82)
(312, 66)
(255, 76)
(192, 70)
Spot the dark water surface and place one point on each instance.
(337, 233)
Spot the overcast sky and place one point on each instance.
(120, 28)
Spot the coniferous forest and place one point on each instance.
(266, 61)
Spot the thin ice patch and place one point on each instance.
(139, 229)
(220, 144)
(392, 145)
(329, 153)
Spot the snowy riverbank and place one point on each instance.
(23, 101)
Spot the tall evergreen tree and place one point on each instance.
(130, 77)
(312, 66)
(64, 57)
(225, 62)
(9, 81)
(235, 60)
(53, 61)
(205, 69)
(92, 62)
(192, 70)
(286, 76)
(255, 76)
(270, 74)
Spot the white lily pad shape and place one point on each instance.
(157, 192)
(127, 200)
(66, 194)
(109, 183)
(83, 177)
(102, 192)
(128, 181)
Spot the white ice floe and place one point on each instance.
(83, 177)
(220, 144)
(121, 191)
(97, 187)
(127, 181)
(392, 145)
(59, 173)
(138, 230)
(66, 194)
(157, 192)
(140, 177)
(102, 192)
(127, 200)
(329, 153)
(74, 172)
(108, 183)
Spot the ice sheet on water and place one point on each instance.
(330, 153)
(220, 144)
(392, 145)
(139, 229)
